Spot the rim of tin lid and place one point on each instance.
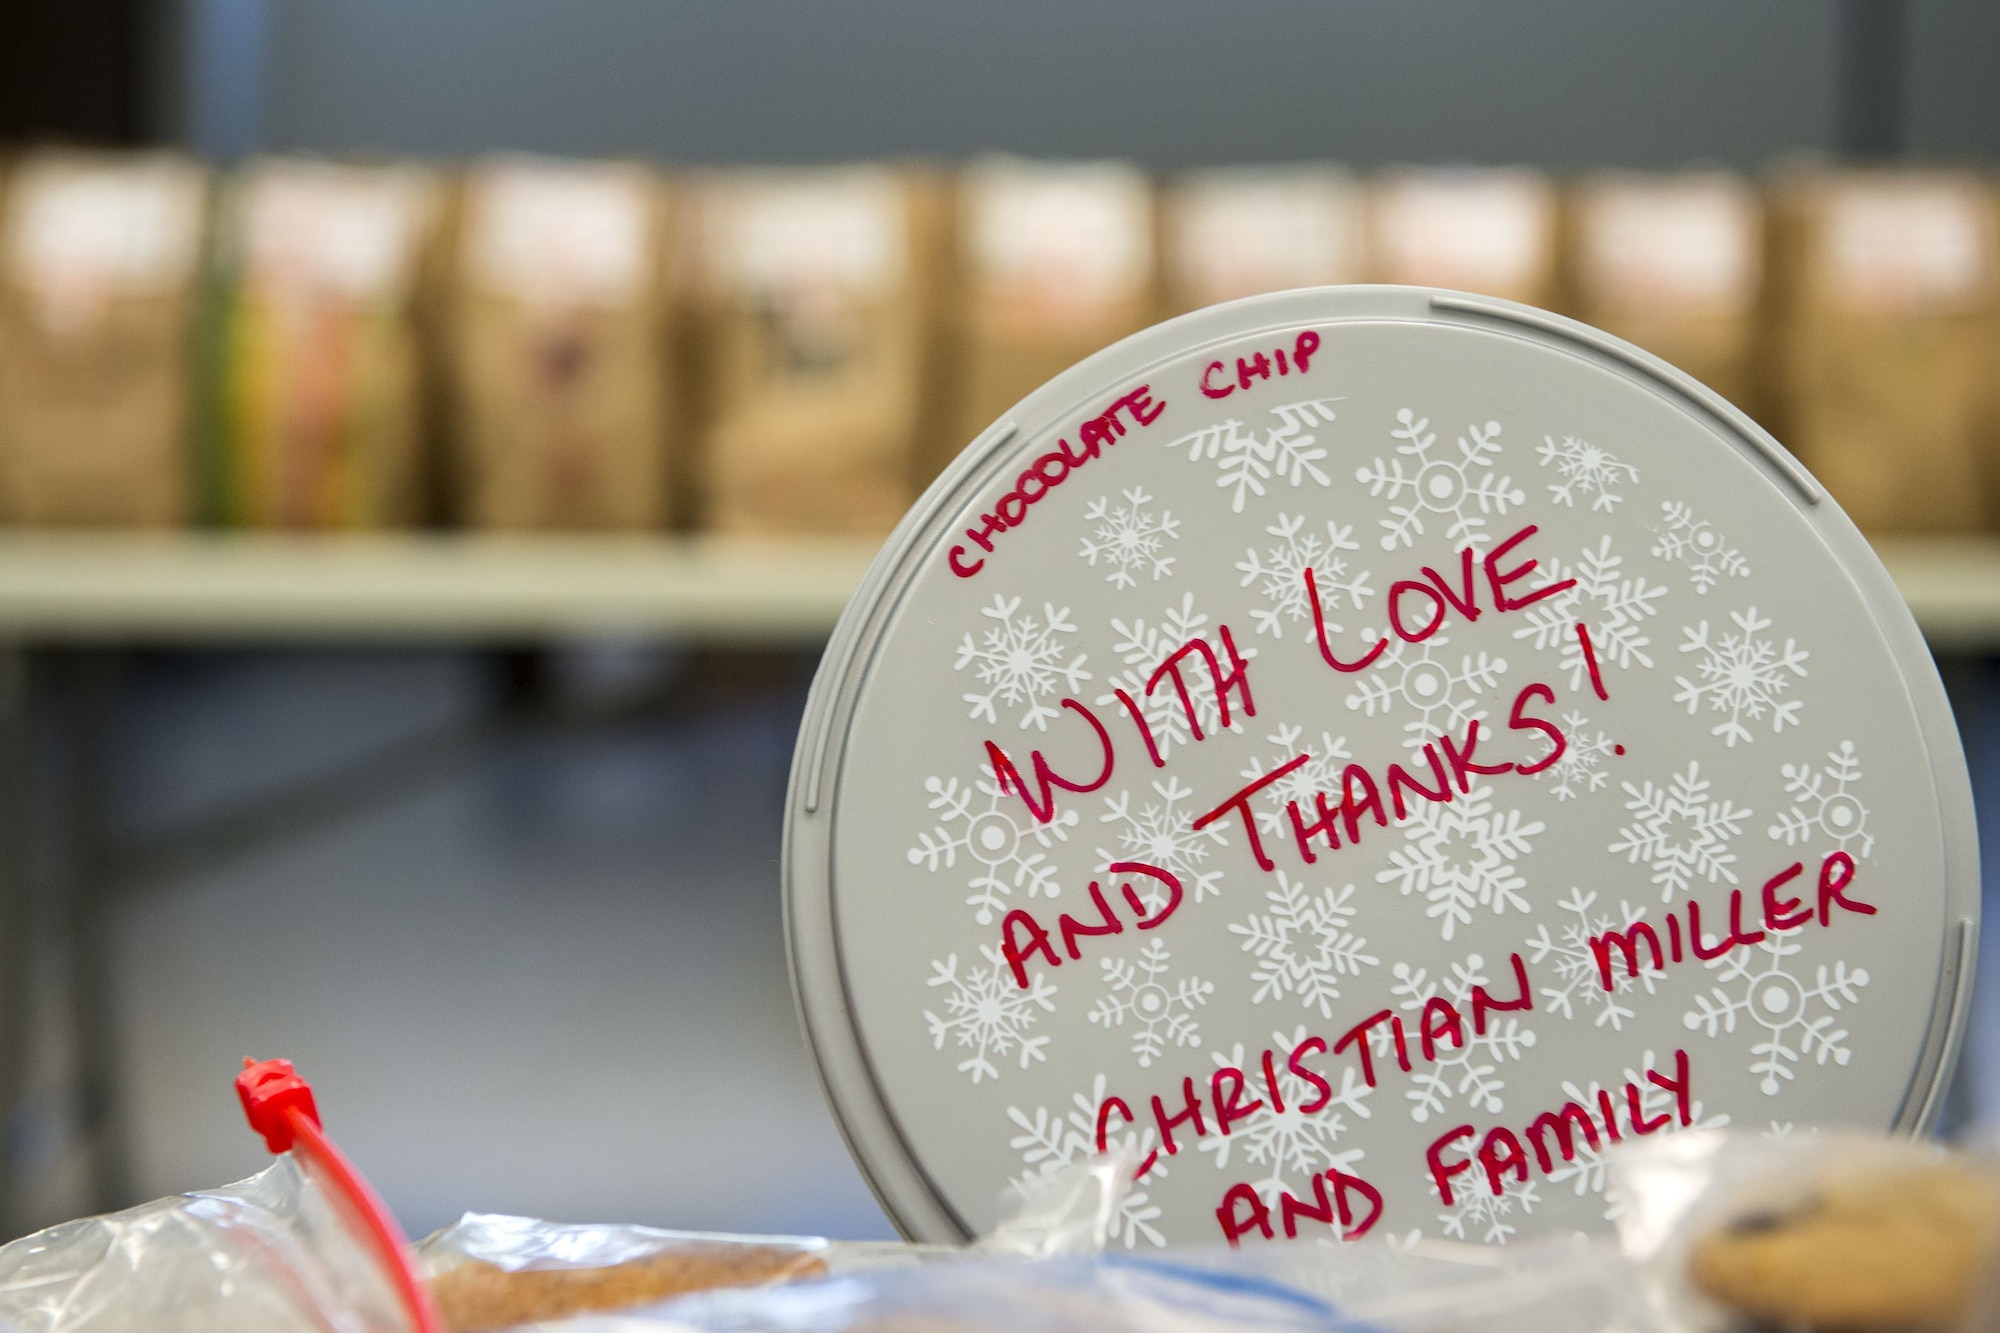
(866, 1121)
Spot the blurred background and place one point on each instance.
(436, 437)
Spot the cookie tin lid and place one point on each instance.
(1368, 749)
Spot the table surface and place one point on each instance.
(192, 588)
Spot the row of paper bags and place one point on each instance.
(531, 343)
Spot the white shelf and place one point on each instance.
(1953, 586)
(239, 588)
(203, 588)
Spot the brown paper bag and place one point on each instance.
(318, 415)
(1055, 262)
(1673, 263)
(1883, 360)
(1490, 231)
(1239, 231)
(99, 263)
(556, 346)
(815, 308)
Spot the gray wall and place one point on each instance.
(1564, 83)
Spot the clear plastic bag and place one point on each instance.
(487, 1271)
(293, 1250)
(1559, 1286)
(271, 1254)
(1044, 1267)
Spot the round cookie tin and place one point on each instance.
(1368, 750)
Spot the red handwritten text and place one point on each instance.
(1244, 1211)
(1419, 607)
(1022, 937)
(1501, 1153)
(1450, 767)
(1780, 912)
(1440, 1019)
(1232, 1095)
(1218, 382)
(1223, 682)
(1050, 471)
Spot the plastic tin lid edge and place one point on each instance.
(818, 991)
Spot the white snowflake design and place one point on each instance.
(1000, 849)
(1441, 487)
(1586, 1173)
(1824, 806)
(1583, 469)
(1444, 700)
(1161, 1010)
(1129, 538)
(1479, 1215)
(1052, 1140)
(1614, 608)
(1575, 964)
(1777, 1008)
(1292, 1147)
(1021, 659)
(1320, 772)
(1288, 452)
(1303, 945)
(987, 1014)
(1161, 834)
(1470, 1071)
(1281, 568)
(1141, 647)
(1580, 771)
(1743, 675)
(1459, 855)
(1680, 831)
(1690, 541)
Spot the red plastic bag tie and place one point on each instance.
(279, 1106)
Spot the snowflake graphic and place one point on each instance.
(987, 1014)
(1460, 855)
(1291, 1146)
(1575, 963)
(1303, 945)
(1319, 773)
(1289, 450)
(1160, 834)
(1580, 771)
(1000, 850)
(1586, 1173)
(1444, 700)
(1585, 469)
(1478, 1214)
(1052, 1140)
(1282, 570)
(1470, 1071)
(1823, 806)
(1778, 1008)
(1440, 486)
(1614, 608)
(1129, 538)
(1680, 831)
(1021, 658)
(1161, 1010)
(1142, 647)
(1743, 675)
(1689, 541)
